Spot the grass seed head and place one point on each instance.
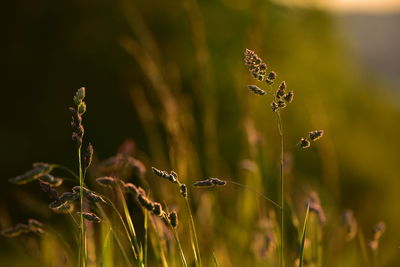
(106, 181)
(350, 224)
(256, 90)
(271, 77)
(315, 135)
(304, 143)
(281, 103)
(172, 177)
(88, 156)
(217, 182)
(255, 64)
(157, 209)
(90, 216)
(288, 97)
(51, 180)
(183, 190)
(94, 197)
(274, 107)
(173, 219)
(145, 202)
(47, 188)
(38, 171)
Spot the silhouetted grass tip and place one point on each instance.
(315, 135)
(172, 176)
(90, 216)
(256, 90)
(210, 182)
(39, 169)
(255, 65)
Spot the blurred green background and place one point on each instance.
(170, 75)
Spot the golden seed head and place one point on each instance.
(173, 219)
(256, 90)
(289, 96)
(304, 143)
(315, 135)
(274, 107)
(89, 216)
(255, 65)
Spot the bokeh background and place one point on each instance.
(170, 76)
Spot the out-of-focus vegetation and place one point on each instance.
(171, 76)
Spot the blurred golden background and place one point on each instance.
(170, 75)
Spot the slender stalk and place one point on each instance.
(82, 251)
(180, 248)
(196, 241)
(280, 128)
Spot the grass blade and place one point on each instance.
(303, 237)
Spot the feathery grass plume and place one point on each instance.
(255, 65)
(173, 219)
(377, 233)
(274, 107)
(88, 156)
(314, 204)
(106, 181)
(255, 89)
(183, 190)
(90, 216)
(350, 224)
(51, 180)
(163, 174)
(271, 78)
(145, 202)
(304, 143)
(288, 97)
(39, 169)
(47, 188)
(315, 135)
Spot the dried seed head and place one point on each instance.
(183, 190)
(133, 189)
(64, 209)
(210, 182)
(157, 209)
(315, 135)
(77, 189)
(289, 96)
(51, 180)
(255, 65)
(51, 192)
(280, 93)
(256, 90)
(88, 156)
(271, 77)
(274, 107)
(145, 202)
(173, 219)
(281, 103)
(90, 216)
(350, 224)
(106, 181)
(172, 177)
(68, 197)
(304, 143)
(94, 197)
(38, 171)
(218, 182)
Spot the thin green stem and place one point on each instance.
(82, 224)
(196, 241)
(59, 166)
(180, 248)
(280, 127)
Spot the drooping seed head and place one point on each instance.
(256, 90)
(64, 209)
(217, 182)
(94, 197)
(133, 189)
(172, 177)
(47, 188)
(203, 183)
(51, 180)
(106, 181)
(90, 216)
(77, 189)
(38, 171)
(315, 135)
(88, 156)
